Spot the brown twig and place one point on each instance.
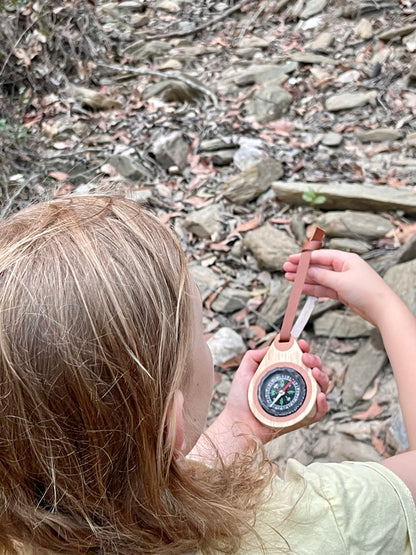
(203, 26)
(185, 80)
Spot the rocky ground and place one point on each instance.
(239, 124)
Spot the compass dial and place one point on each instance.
(281, 391)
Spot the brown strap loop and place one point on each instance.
(312, 242)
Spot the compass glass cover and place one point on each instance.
(281, 391)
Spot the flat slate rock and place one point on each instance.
(348, 196)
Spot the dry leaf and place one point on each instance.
(371, 391)
(372, 412)
(63, 190)
(247, 226)
(379, 445)
(60, 176)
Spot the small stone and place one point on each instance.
(270, 102)
(350, 76)
(172, 63)
(347, 101)
(225, 344)
(172, 91)
(322, 42)
(312, 8)
(221, 157)
(410, 42)
(379, 135)
(250, 183)
(205, 222)
(250, 154)
(253, 42)
(364, 29)
(332, 139)
(206, 279)
(168, 6)
(171, 150)
(216, 144)
(129, 168)
(230, 299)
(411, 139)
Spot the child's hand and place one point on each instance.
(237, 410)
(345, 277)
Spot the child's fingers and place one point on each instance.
(322, 379)
(322, 407)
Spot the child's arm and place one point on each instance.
(348, 278)
(235, 428)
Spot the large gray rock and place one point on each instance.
(274, 306)
(271, 247)
(171, 150)
(363, 368)
(230, 299)
(225, 344)
(402, 279)
(270, 102)
(342, 448)
(379, 135)
(252, 182)
(129, 167)
(341, 324)
(347, 100)
(348, 196)
(206, 279)
(205, 222)
(312, 8)
(348, 223)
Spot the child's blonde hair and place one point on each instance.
(95, 336)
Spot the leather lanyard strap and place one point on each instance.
(312, 242)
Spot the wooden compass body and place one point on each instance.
(282, 356)
(282, 393)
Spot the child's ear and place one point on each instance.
(178, 434)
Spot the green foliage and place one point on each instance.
(313, 198)
(12, 131)
(12, 5)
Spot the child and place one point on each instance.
(105, 383)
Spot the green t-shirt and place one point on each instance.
(348, 508)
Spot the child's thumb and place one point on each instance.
(324, 277)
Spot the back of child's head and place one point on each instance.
(95, 331)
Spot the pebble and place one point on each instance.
(225, 344)
(346, 101)
(331, 139)
(312, 8)
(364, 29)
(379, 135)
(205, 223)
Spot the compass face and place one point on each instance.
(281, 391)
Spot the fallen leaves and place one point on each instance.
(372, 412)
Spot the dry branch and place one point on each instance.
(189, 82)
